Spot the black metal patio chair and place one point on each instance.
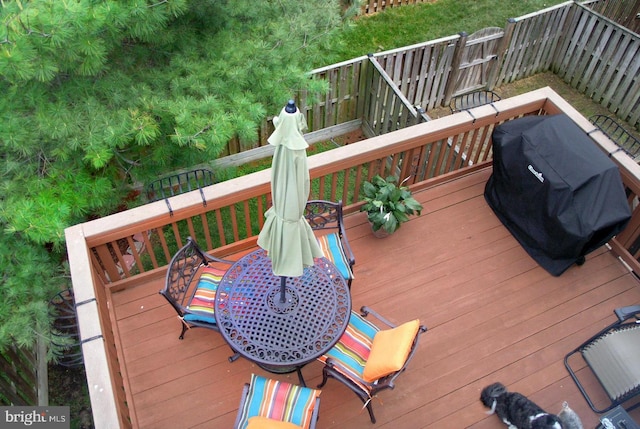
(326, 217)
(368, 359)
(179, 183)
(65, 338)
(617, 133)
(613, 355)
(190, 286)
(472, 99)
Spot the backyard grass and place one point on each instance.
(408, 25)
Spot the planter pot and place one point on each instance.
(381, 233)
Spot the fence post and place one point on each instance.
(452, 82)
(42, 373)
(504, 45)
(365, 98)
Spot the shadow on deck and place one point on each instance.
(493, 315)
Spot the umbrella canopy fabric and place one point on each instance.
(286, 235)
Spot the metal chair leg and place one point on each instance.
(370, 409)
(324, 379)
(184, 329)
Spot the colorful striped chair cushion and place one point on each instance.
(352, 350)
(201, 304)
(332, 248)
(278, 400)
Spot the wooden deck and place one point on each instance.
(493, 315)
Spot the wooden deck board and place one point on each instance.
(493, 315)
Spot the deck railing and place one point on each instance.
(231, 214)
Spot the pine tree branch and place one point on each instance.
(26, 27)
(158, 4)
(43, 164)
(202, 131)
(30, 31)
(126, 160)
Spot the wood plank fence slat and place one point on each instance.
(23, 376)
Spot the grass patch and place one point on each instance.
(408, 25)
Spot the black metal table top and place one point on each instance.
(281, 336)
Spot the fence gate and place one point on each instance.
(475, 60)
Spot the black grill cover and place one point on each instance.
(554, 190)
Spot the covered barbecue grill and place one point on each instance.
(556, 192)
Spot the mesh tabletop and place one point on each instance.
(278, 335)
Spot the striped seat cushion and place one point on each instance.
(201, 305)
(278, 400)
(332, 248)
(352, 350)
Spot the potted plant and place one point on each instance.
(387, 204)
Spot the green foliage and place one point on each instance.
(99, 95)
(29, 278)
(387, 204)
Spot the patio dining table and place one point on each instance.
(281, 336)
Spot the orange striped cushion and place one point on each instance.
(278, 400)
(352, 350)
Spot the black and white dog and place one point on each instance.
(516, 410)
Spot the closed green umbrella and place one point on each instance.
(286, 235)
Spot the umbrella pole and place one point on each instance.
(283, 286)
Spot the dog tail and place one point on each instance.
(569, 418)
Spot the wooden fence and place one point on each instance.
(601, 59)
(592, 53)
(23, 376)
(372, 6)
(529, 44)
(421, 71)
(624, 12)
(385, 107)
